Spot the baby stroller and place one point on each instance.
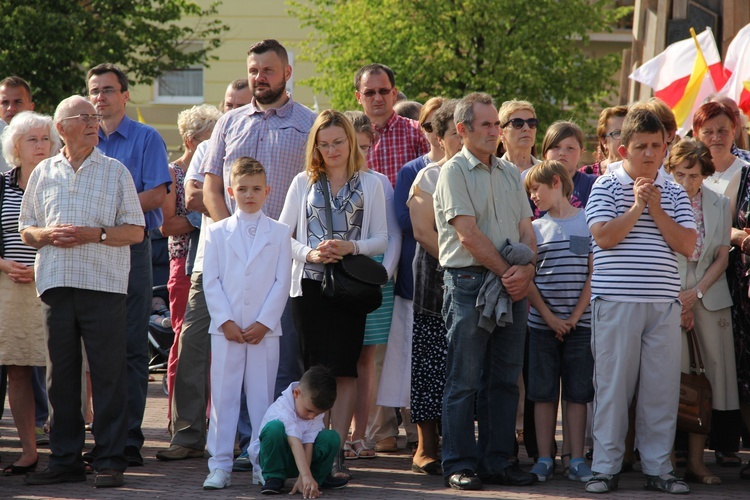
(160, 333)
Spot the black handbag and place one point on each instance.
(694, 411)
(355, 281)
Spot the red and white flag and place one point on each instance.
(737, 68)
(684, 75)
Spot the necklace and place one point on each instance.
(565, 219)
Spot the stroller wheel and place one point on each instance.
(164, 385)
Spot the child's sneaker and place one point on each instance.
(272, 486)
(217, 480)
(580, 471)
(542, 470)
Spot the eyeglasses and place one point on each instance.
(106, 91)
(334, 145)
(85, 118)
(427, 126)
(517, 123)
(371, 93)
(615, 134)
(365, 148)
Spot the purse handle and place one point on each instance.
(695, 351)
(329, 212)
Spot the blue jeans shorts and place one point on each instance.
(551, 360)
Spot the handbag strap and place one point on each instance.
(695, 352)
(329, 212)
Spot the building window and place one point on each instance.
(184, 86)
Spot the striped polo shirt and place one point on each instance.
(642, 267)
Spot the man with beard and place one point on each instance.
(272, 129)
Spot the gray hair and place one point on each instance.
(196, 120)
(465, 108)
(66, 104)
(20, 126)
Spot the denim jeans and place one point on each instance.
(482, 366)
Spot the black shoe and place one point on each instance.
(133, 456)
(511, 476)
(50, 476)
(109, 478)
(464, 480)
(273, 486)
(90, 456)
(333, 483)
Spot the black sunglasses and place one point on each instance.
(517, 123)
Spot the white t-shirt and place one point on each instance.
(193, 174)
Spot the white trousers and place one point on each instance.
(395, 381)
(232, 364)
(636, 346)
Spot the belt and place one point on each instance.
(473, 269)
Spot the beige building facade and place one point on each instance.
(250, 21)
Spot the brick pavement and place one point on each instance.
(387, 477)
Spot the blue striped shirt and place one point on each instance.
(642, 267)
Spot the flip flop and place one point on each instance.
(358, 447)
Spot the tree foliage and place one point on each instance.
(525, 49)
(52, 43)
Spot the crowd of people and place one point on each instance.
(515, 285)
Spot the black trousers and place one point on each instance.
(72, 315)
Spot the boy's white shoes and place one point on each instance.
(217, 480)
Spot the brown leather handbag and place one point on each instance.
(694, 412)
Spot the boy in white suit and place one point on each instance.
(246, 279)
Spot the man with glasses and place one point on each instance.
(81, 211)
(398, 140)
(480, 207)
(143, 152)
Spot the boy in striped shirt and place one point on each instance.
(639, 220)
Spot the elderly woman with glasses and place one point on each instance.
(329, 335)
(706, 303)
(517, 142)
(29, 139)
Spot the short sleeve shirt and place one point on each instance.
(642, 267)
(275, 137)
(142, 150)
(99, 194)
(493, 195)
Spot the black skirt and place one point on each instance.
(328, 335)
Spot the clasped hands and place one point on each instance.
(17, 272)
(330, 251)
(69, 236)
(253, 334)
(646, 194)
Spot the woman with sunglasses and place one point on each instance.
(331, 336)
(518, 124)
(29, 139)
(608, 132)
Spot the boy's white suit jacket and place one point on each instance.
(247, 288)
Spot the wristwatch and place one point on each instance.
(699, 293)
(102, 236)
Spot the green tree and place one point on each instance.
(525, 49)
(53, 43)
